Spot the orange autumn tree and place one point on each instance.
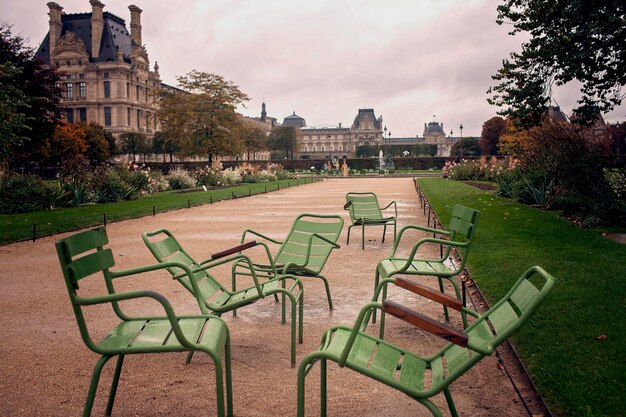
(68, 143)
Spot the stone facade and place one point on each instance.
(323, 142)
(105, 70)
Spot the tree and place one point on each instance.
(28, 101)
(134, 143)
(284, 139)
(161, 144)
(68, 143)
(202, 119)
(465, 147)
(490, 135)
(254, 139)
(582, 40)
(101, 144)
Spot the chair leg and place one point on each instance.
(302, 371)
(382, 314)
(293, 329)
(348, 239)
(441, 288)
(301, 316)
(432, 408)
(363, 236)
(446, 392)
(234, 289)
(282, 307)
(189, 357)
(394, 232)
(219, 384)
(327, 287)
(116, 378)
(323, 388)
(229, 378)
(376, 281)
(93, 386)
(384, 233)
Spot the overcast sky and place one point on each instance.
(409, 60)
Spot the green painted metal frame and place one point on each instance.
(303, 253)
(214, 296)
(365, 211)
(459, 236)
(400, 369)
(82, 256)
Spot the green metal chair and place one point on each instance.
(303, 253)
(83, 256)
(424, 377)
(165, 248)
(365, 211)
(459, 236)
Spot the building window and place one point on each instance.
(107, 116)
(107, 89)
(81, 76)
(68, 77)
(105, 75)
(69, 90)
(127, 90)
(69, 115)
(147, 121)
(128, 116)
(137, 90)
(138, 119)
(82, 114)
(82, 90)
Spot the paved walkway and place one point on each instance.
(46, 368)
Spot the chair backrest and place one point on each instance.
(165, 248)
(493, 327)
(300, 240)
(81, 256)
(363, 206)
(463, 228)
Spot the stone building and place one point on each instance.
(322, 142)
(433, 134)
(106, 76)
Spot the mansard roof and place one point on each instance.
(114, 36)
(294, 120)
(367, 113)
(433, 128)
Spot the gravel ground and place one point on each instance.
(46, 368)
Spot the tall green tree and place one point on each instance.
(161, 144)
(284, 139)
(465, 147)
(582, 40)
(202, 119)
(254, 139)
(490, 135)
(29, 101)
(101, 145)
(134, 144)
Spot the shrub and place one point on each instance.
(23, 193)
(232, 176)
(109, 186)
(180, 178)
(209, 176)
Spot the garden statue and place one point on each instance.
(381, 161)
(344, 168)
(389, 165)
(329, 167)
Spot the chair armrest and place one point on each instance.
(395, 208)
(164, 265)
(414, 227)
(243, 236)
(429, 293)
(333, 244)
(233, 250)
(425, 323)
(347, 205)
(169, 310)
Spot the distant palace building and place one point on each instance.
(106, 76)
(322, 142)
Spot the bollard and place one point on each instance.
(34, 231)
(211, 199)
(249, 193)
(104, 219)
(153, 211)
(188, 203)
(428, 215)
(266, 189)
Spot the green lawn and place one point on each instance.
(576, 374)
(16, 227)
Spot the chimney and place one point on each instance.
(97, 26)
(135, 24)
(55, 25)
(339, 125)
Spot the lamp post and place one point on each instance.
(388, 140)
(461, 129)
(384, 137)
